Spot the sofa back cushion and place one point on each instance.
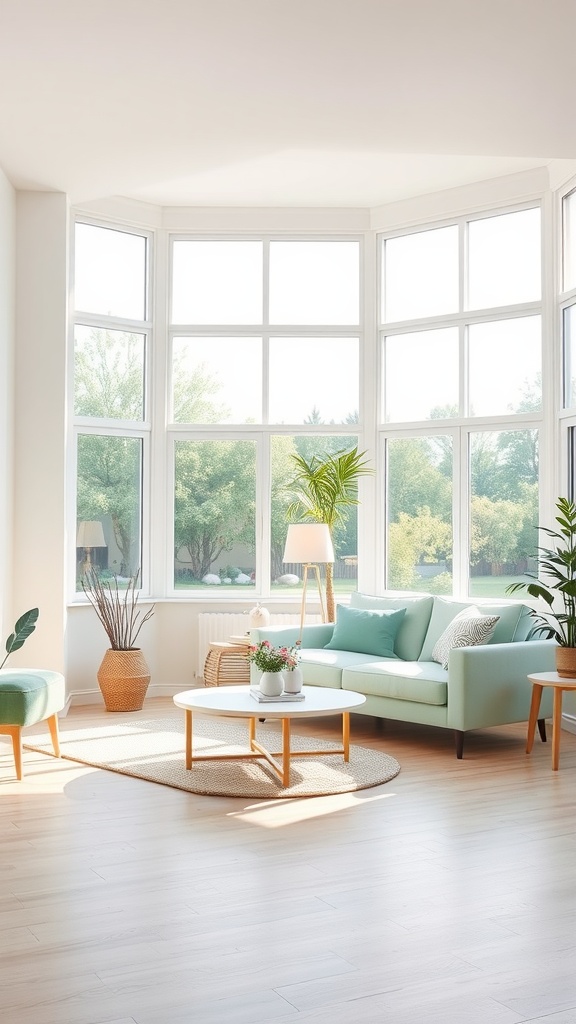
(366, 632)
(413, 626)
(445, 610)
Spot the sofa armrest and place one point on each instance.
(488, 685)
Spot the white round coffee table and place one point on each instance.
(236, 702)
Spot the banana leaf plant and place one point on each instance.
(556, 582)
(25, 625)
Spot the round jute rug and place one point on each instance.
(153, 749)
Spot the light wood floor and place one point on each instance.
(447, 896)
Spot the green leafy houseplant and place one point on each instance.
(25, 625)
(556, 581)
(117, 609)
(325, 488)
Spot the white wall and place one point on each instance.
(7, 278)
(40, 421)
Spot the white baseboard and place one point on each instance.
(569, 723)
(93, 696)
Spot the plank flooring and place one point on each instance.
(447, 895)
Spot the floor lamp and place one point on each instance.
(309, 544)
(90, 535)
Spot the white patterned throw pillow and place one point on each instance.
(469, 629)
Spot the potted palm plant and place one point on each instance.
(556, 586)
(324, 489)
(123, 676)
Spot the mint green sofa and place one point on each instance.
(484, 686)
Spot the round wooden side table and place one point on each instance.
(559, 684)
(226, 663)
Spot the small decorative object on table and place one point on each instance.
(259, 616)
(282, 698)
(272, 661)
(293, 677)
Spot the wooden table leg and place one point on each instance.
(285, 751)
(251, 731)
(534, 709)
(188, 723)
(346, 734)
(556, 728)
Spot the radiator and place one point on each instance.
(223, 625)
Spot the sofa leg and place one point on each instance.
(542, 729)
(459, 737)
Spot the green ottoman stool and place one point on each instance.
(29, 696)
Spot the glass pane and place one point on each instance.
(419, 504)
(314, 380)
(420, 275)
(504, 509)
(217, 380)
(214, 515)
(110, 272)
(569, 331)
(108, 374)
(217, 282)
(504, 260)
(505, 366)
(314, 282)
(569, 241)
(420, 376)
(110, 492)
(286, 577)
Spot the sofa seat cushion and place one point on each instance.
(412, 629)
(322, 667)
(422, 681)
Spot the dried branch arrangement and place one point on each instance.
(116, 609)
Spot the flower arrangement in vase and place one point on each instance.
(273, 662)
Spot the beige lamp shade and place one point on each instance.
(90, 534)
(308, 542)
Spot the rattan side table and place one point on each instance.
(226, 662)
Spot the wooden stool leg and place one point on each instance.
(15, 732)
(53, 726)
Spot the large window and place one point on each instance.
(265, 355)
(111, 341)
(186, 430)
(461, 344)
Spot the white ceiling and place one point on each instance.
(281, 102)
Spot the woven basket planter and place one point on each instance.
(123, 678)
(566, 662)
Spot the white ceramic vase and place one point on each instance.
(271, 684)
(293, 680)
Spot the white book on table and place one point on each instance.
(281, 699)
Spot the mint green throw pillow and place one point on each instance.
(410, 638)
(366, 632)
